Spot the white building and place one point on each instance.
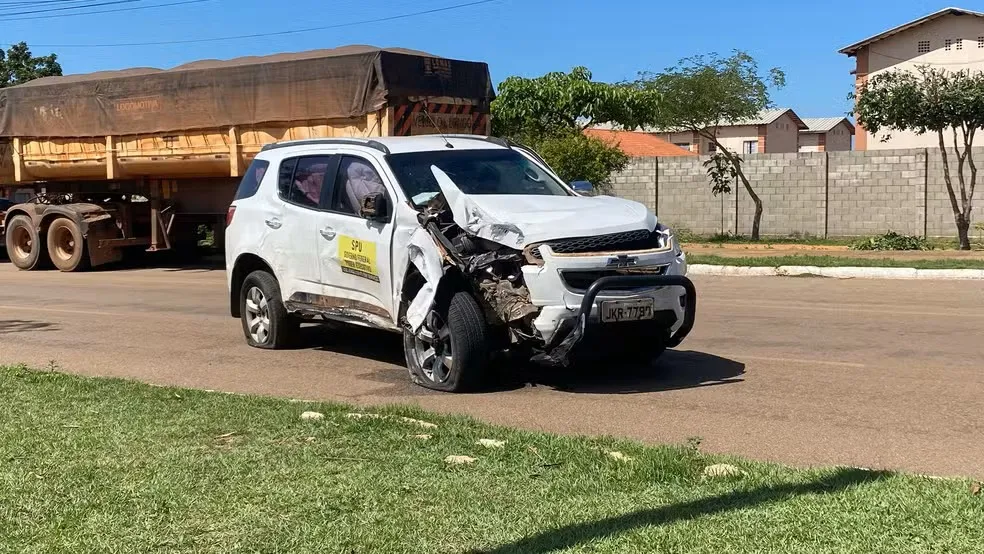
(951, 38)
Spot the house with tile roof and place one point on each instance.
(826, 134)
(951, 38)
(637, 144)
(771, 131)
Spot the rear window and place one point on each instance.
(251, 180)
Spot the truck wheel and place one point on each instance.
(24, 245)
(266, 321)
(456, 357)
(66, 245)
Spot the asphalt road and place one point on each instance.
(886, 374)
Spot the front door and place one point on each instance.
(354, 252)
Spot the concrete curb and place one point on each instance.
(839, 272)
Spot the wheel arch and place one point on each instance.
(245, 264)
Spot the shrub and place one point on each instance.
(892, 241)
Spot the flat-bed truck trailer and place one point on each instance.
(142, 158)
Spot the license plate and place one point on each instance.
(615, 311)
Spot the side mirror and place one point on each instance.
(582, 187)
(375, 207)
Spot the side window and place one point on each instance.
(251, 180)
(301, 180)
(285, 178)
(356, 179)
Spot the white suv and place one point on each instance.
(466, 245)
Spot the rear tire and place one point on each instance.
(457, 359)
(266, 322)
(25, 248)
(66, 245)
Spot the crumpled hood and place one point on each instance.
(542, 218)
(520, 220)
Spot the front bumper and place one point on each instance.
(568, 306)
(560, 352)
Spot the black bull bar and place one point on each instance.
(559, 354)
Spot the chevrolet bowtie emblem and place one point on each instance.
(622, 260)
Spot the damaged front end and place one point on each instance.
(492, 272)
(540, 295)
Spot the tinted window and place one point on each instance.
(285, 177)
(356, 179)
(251, 180)
(301, 180)
(474, 172)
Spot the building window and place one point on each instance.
(684, 145)
(959, 44)
(923, 46)
(750, 147)
(947, 45)
(980, 42)
(711, 148)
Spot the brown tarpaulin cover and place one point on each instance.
(320, 84)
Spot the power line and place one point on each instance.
(276, 33)
(114, 10)
(23, 3)
(65, 8)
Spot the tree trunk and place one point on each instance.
(963, 231)
(757, 219)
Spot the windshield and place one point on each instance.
(498, 171)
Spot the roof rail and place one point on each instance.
(375, 144)
(494, 140)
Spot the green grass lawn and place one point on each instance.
(96, 465)
(832, 261)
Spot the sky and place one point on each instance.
(615, 39)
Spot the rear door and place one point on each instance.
(355, 252)
(293, 224)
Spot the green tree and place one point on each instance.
(702, 93)
(577, 157)
(949, 104)
(18, 65)
(549, 114)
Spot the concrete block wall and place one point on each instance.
(808, 193)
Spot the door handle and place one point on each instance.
(273, 223)
(328, 233)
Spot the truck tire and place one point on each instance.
(66, 245)
(266, 322)
(25, 248)
(457, 358)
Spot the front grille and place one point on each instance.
(579, 281)
(631, 240)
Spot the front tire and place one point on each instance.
(66, 245)
(266, 322)
(25, 248)
(452, 355)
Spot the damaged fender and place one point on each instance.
(426, 257)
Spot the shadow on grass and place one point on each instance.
(8, 326)
(577, 534)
